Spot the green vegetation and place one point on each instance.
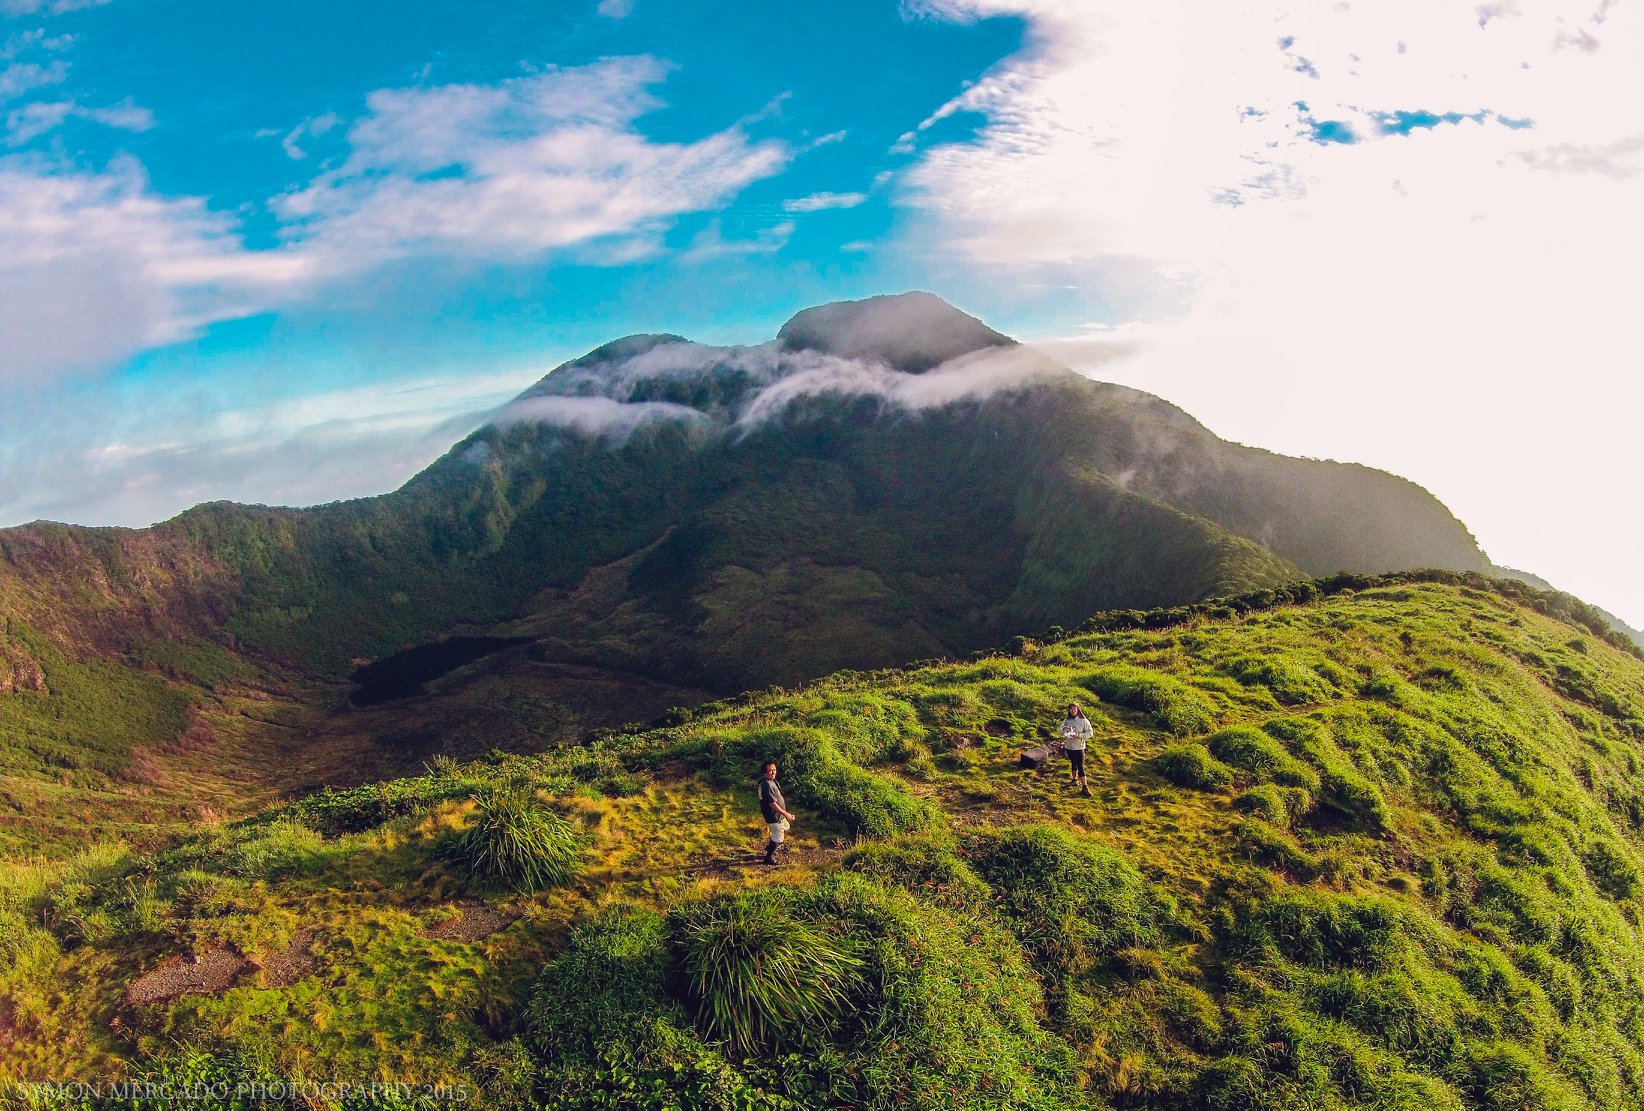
(712, 556)
(757, 973)
(1420, 885)
(517, 842)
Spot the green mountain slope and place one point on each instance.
(662, 522)
(893, 459)
(1363, 843)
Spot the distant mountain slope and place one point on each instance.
(1365, 843)
(888, 479)
(640, 500)
(1620, 626)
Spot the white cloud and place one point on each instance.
(19, 78)
(612, 421)
(46, 7)
(164, 451)
(711, 243)
(974, 376)
(779, 376)
(817, 202)
(1450, 298)
(616, 9)
(35, 119)
(509, 171)
(95, 267)
(317, 127)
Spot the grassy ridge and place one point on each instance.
(1365, 843)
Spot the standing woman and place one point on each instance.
(1076, 734)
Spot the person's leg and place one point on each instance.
(778, 836)
(1077, 758)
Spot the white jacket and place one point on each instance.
(1076, 733)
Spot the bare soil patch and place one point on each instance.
(285, 967)
(475, 921)
(205, 973)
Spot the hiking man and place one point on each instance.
(1076, 733)
(774, 809)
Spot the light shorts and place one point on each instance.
(779, 831)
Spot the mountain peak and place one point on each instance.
(911, 332)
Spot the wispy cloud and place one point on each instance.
(33, 120)
(599, 417)
(318, 127)
(169, 451)
(19, 78)
(96, 266)
(538, 163)
(616, 9)
(766, 382)
(46, 7)
(711, 242)
(817, 202)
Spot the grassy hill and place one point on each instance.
(1357, 843)
(656, 523)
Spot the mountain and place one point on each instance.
(1368, 842)
(887, 479)
(654, 524)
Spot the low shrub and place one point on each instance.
(1073, 903)
(366, 807)
(517, 842)
(755, 973)
(816, 774)
(624, 951)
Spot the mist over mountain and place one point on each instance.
(660, 521)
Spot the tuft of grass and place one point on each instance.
(517, 842)
(1191, 765)
(1178, 708)
(756, 974)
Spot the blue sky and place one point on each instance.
(287, 253)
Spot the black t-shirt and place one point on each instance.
(771, 802)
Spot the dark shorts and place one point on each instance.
(1077, 756)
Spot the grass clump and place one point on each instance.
(755, 972)
(928, 866)
(1191, 765)
(1291, 682)
(1073, 903)
(1266, 802)
(1262, 756)
(517, 842)
(816, 773)
(1178, 708)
